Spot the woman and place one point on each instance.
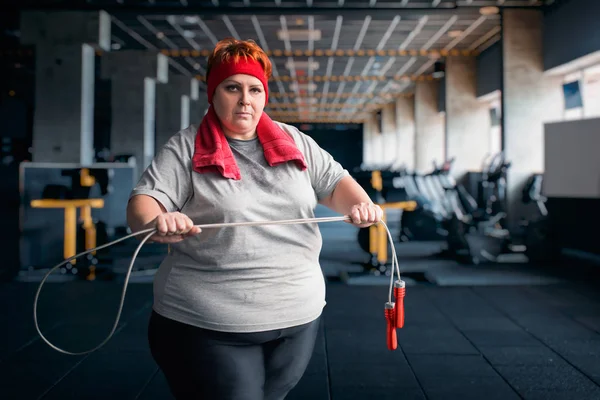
(236, 310)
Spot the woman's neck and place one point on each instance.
(240, 136)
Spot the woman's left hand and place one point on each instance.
(365, 214)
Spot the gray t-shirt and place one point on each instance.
(242, 279)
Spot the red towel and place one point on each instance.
(213, 154)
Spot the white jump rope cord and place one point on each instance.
(151, 231)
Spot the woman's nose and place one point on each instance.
(245, 98)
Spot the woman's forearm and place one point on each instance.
(346, 194)
(141, 211)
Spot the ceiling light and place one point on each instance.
(196, 66)
(455, 33)
(302, 65)
(189, 34)
(306, 100)
(191, 20)
(160, 35)
(299, 34)
(306, 86)
(491, 10)
(115, 46)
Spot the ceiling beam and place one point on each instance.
(307, 113)
(292, 120)
(383, 11)
(289, 95)
(335, 106)
(342, 78)
(330, 53)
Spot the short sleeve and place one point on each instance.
(168, 177)
(325, 171)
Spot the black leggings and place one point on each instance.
(202, 364)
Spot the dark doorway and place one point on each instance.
(343, 141)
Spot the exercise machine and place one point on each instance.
(42, 224)
(378, 239)
(538, 239)
(74, 201)
(426, 222)
(483, 237)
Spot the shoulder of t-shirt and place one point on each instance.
(183, 141)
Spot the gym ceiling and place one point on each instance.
(334, 61)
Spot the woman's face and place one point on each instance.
(239, 102)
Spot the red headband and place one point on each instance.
(244, 65)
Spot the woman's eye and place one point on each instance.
(233, 88)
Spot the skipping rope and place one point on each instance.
(394, 310)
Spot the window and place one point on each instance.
(581, 91)
(494, 105)
(379, 122)
(495, 127)
(591, 92)
(573, 99)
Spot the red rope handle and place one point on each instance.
(392, 339)
(399, 293)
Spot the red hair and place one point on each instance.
(230, 49)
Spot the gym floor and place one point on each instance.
(502, 332)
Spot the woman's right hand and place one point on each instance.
(173, 227)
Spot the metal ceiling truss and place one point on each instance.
(343, 95)
(342, 78)
(348, 9)
(333, 53)
(353, 56)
